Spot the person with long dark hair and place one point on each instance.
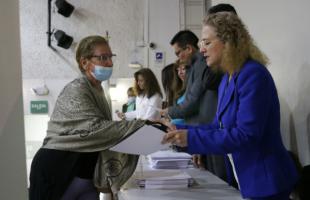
(167, 78)
(179, 85)
(149, 99)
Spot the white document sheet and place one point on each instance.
(169, 155)
(169, 160)
(144, 141)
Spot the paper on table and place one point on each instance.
(162, 175)
(167, 164)
(144, 141)
(164, 179)
(168, 155)
(169, 160)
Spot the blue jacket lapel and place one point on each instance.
(226, 94)
(221, 91)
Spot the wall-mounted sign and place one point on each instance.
(159, 56)
(39, 107)
(159, 59)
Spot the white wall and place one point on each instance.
(163, 24)
(192, 13)
(12, 143)
(281, 29)
(122, 18)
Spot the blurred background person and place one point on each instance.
(167, 76)
(179, 84)
(173, 81)
(149, 99)
(131, 101)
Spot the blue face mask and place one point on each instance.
(102, 73)
(131, 100)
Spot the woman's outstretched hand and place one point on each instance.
(176, 137)
(121, 115)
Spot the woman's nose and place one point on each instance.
(109, 63)
(202, 50)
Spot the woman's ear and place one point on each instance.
(84, 63)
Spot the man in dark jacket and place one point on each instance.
(200, 102)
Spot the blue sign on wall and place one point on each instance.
(159, 58)
(159, 55)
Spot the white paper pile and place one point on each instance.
(169, 160)
(164, 179)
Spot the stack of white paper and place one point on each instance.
(163, 179)
(169, 160)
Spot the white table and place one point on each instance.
(209, 187)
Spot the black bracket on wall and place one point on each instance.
(63, 40)
(49, 19)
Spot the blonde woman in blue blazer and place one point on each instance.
(247, 123)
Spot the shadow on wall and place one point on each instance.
(301, 113)
(288, 130)
(89, 21)
(67, 57)
(293, 135)
(80, 15)
(295, 120)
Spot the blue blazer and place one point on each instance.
(247, 125)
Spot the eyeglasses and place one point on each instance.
(203, 43)
(104, 57)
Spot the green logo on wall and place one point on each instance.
(38, 107)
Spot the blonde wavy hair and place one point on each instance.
(239, 45)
